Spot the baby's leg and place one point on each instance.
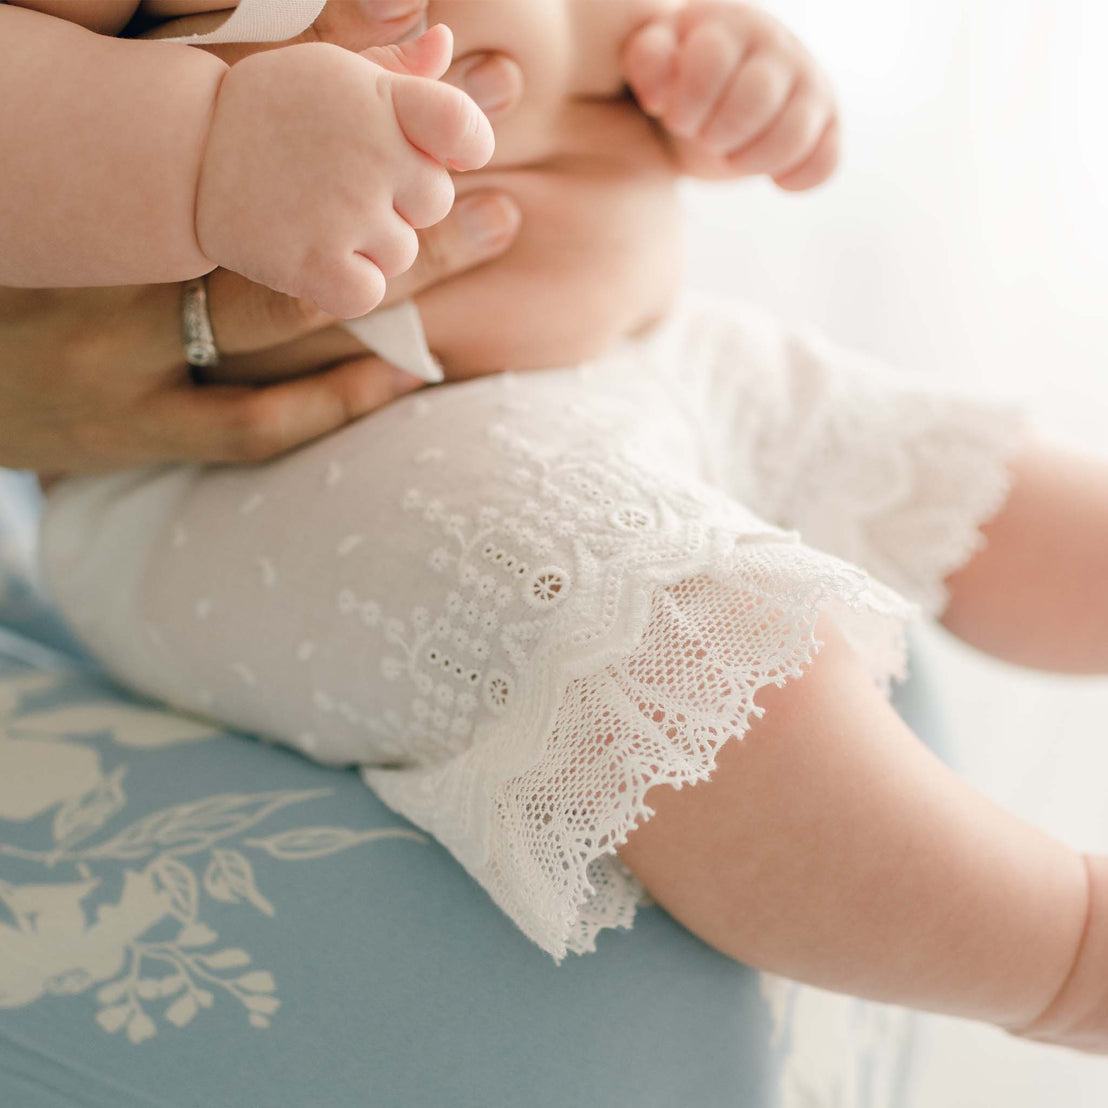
(943, 497)
(832, 847)
(1037, 593)
(520, 607)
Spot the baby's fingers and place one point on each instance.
(442, 122)
(650, 65)
(705, 63)
(818, 166)
(755, 97)
(789, 140)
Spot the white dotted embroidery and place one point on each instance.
(631, 517)
(179, 537)
(498, 690)
(268, 571)
(244, 673)
(333, 475)
(305, 650)
(251, 504)
(203, 608)
(349, 545)
(547, 587)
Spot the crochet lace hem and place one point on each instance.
(680, 679)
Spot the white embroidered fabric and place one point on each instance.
(520, 603)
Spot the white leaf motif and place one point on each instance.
(141, 1028)
(112, 1019)
(112, 992)
(181, 1011)
(178, 880)
(226, 959)
(82, 815)
(230, 878)
(318, 842)
(259, 981)
(197, 934)
(195, 826)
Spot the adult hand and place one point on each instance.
(95, 379)
(597, 258)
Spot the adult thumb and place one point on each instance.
(427, 56)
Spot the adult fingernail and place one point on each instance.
(493, 84)
(488, 221)
(388, 11)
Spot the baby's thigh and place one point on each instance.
(371, 598)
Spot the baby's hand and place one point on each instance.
(321, 163)
(738, 92)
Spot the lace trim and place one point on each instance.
(908, 506)
(680, 679)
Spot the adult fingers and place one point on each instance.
(481, 227)
(247, 316)
(241, 424)
(388, 20)
(494, 82)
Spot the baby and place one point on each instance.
(218, 160)
(525, 604)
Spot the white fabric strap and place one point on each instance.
(261, 21)
(396, 334)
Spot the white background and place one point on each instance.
(965, 238)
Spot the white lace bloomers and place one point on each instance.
(519, 603)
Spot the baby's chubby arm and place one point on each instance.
(306, 168)
(108, 17)
(738, 93)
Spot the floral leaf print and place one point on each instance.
(13, 690)
(230, 878)
(113, 1019)
(189, 828)
(80, 816)
(229, 958)
(178, 880)
(318, 842)
(196, 934)
(182, 1010)
(258, 981)
(140, 1027)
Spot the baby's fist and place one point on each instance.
(322, 163)
(738, 92)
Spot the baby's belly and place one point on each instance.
(598, 257)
